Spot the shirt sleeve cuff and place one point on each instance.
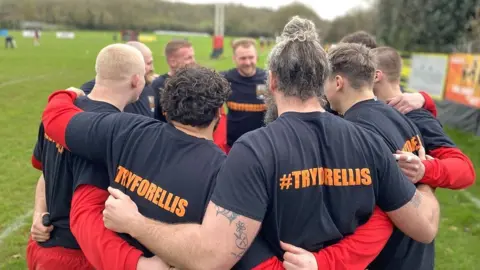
(132, 259)
(427, 177)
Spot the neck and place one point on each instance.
(291, 104)
(354, 96)
(109, 95)
(204, 133)
(389, 90)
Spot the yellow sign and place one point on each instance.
(147, 38)
(463, 81)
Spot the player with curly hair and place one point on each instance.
(168, 169)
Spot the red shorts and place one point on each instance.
(55, 258)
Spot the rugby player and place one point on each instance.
(120, 76)
(360, 37)
(145, 105)
(450, 168)
(167, 168)
(179, 53)
(246, 106)
(279, 177)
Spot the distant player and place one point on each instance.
(262, 42)
(285, 182)
(10, 42)
(145, 105)
(55, 238)
(246, 105)
(36, 38)
(168, 169)
(450, 168)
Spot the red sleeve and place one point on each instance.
(358, 250)
(354, 252)
(450, 169)
(103, 248)
(220, 134)
(429, 104)
(60, 109)
(36, 163)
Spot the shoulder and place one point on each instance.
(88, 86)
(261, 72)
(159, 81)
(228, 74)
(420, 114)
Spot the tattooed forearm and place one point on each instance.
(241, 239)
(231, 216)
(416, 200)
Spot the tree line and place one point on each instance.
(408, 25)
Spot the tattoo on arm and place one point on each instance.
(231, 216)
(416, 200)
(241, 239)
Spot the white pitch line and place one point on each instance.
(19, 222)
(472, 198)
(26, 79)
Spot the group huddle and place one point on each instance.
(320, 163)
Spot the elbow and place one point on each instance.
(469, 175)
(429, 235)
(470, 179)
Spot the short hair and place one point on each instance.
(119, 62)
(144, 49)
(174, 45)
(389, 61)
(193, 95)
(298, 60)
(353, 61)
(360, 37)
(243, 42)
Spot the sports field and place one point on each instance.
(29, 74)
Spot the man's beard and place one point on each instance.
(150, 77)
(272, 111)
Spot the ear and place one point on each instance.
(135, 82)
(272, 82)
(378, 76)
(340, 82)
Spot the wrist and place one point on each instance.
(136, 222)
(37, 213)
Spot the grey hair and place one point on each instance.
(298, 61)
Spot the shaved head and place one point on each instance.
(141, 47)
(118, 63)
(147, 57)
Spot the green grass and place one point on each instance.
(29, 74)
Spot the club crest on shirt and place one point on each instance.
(261, 91)
(151, 102)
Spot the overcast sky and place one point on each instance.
(325, 9)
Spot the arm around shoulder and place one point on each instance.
(419, 217)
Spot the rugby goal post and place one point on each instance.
(218, 31)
